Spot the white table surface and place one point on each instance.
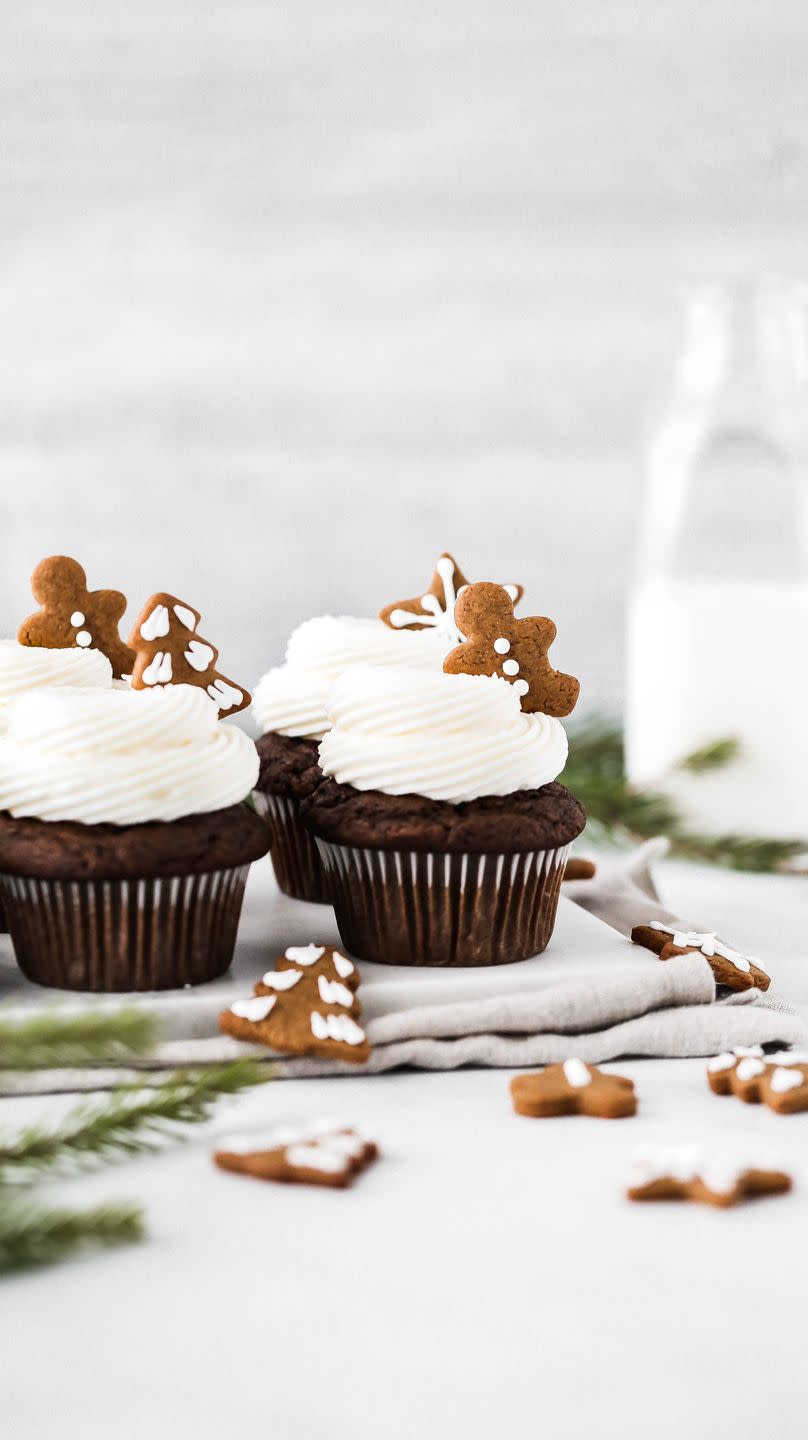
(485, 1278)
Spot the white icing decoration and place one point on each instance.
(747, 1069)
(256, 1008)
(521, 687)
(199, 656)
(84, 638)
(282, 979)
(77, 618)
(225, 696)
(727, 1058)
(305, 954)
(158, 671)
(684, 1164)
(318, 1156)
(336, 1027)
(502, 646)
(343, 965)
(156, 624)
(783, 1079)
(510, 667)
(513, 591)
(332, 992)
(185, 616)
(441, 617)
(708, 944)
(577, 1074)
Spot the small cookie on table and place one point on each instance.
(683, 1173)
(778, 1081)
(306, 1005)
(324, 1154)
(730, 968)
(573, 1089)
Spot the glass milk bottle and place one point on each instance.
(718, 614)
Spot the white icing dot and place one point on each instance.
(158, 671)
(576, 1073)
(747, 1069)
(156, 623)
(502, 646)
(521, 687)
(199, 656)
(84, 638)
(256, 1008)
(225, 696)
(784, 1079)
(77, 618)
(304, 954)
(343, 965)
(282, 979)
(511, 667)
(185, 616)
(332, 992)
(336, 1027)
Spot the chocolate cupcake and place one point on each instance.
(290, 706)
(441, 826)
(125, 836)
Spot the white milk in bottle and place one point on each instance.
(718, 615)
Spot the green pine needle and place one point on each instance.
(31, 1236)
(619, 812)
(132, 1121)
(60, 1040)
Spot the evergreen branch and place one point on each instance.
(133, 1121)
(618, 811)
(56, 1040)
(40, 1236)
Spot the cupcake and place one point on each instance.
(291, 705)
(125, 839)
(441, 825)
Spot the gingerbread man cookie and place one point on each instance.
(779, 1081)
(730, 968)
(307, 1005)
(516, 650)
(324, 1154)
(573, 1089)
(436, 608)
(170, 652)
(72, 615)
(684, 1174)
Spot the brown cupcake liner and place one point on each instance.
(123, 935)
(294, 855)
(418, 908)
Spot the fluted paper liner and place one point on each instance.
(409, 907)
(113, 935)
(298, 868)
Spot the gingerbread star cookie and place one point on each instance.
(71, 615)
(306, 1005)
(730, 967)
(780, 1081)
(573, 1089)
(683, 1173)
(324, 1154)
(435, 609)
(169, 651)
(516, 650)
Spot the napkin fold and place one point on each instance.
(599, 998)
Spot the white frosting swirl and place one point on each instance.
(449, 737)
(122, 756)
(29, 667)
(292, 698)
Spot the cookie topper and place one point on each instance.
(436, 609)
(73, 616)
(729, 967)
(498, 643)
(168, 651)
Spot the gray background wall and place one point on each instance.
(294, 295)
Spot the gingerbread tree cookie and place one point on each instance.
(780, 1082)
(170, 652)
(307, 1005)
(324, 1154)
(71, 615)
(573, 1089)
(730, 968)
(499, 644)
(436, 608)
(682, 1173)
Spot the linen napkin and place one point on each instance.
(592, 994)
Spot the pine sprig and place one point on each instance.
(618, 811)
(59, 1040)
(133, 1121)
(37, 1235)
